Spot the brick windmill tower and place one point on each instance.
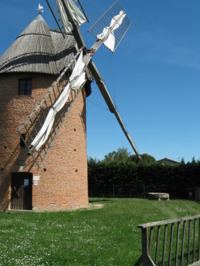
(45, 77)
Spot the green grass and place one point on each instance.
(107, 236)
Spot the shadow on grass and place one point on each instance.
(187, 259)
(95, 200)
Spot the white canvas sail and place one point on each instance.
(108, 32)
(76, 14)
(77, 79)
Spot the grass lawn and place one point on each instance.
(107, 236)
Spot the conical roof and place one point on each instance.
(38, 50)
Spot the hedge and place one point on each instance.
(131, 180)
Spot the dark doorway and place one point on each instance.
(21, 194)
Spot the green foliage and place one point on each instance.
(146, 159)
(121, 155)
(128, 179)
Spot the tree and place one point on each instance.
(92, 160)
(121, 155)
(146, 159)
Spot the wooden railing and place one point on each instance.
(171, 242)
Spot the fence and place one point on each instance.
(171, 242)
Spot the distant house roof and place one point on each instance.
(166, 161)
(38, 50)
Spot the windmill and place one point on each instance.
(114, 24)
(47, 168)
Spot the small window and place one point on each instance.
(25, 87)
(22, 140)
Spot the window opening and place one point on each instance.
(25, 87)
(22, 140)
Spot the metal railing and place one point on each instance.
(171, 242)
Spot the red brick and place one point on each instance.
(63, 185)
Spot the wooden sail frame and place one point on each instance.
(95, 72)
(36, 119)
(29, 127)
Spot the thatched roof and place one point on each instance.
(38, 50)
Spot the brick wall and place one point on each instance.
(62, 182)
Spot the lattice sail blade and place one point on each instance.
(43, 116)
(111, 27)
(114, 24)
(76, 80)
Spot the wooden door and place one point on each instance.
(21, 194)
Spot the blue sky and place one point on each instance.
(153, 77)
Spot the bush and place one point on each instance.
(127, 179)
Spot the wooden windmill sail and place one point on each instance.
(61, 97)
(42, 126)
(120, 24)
